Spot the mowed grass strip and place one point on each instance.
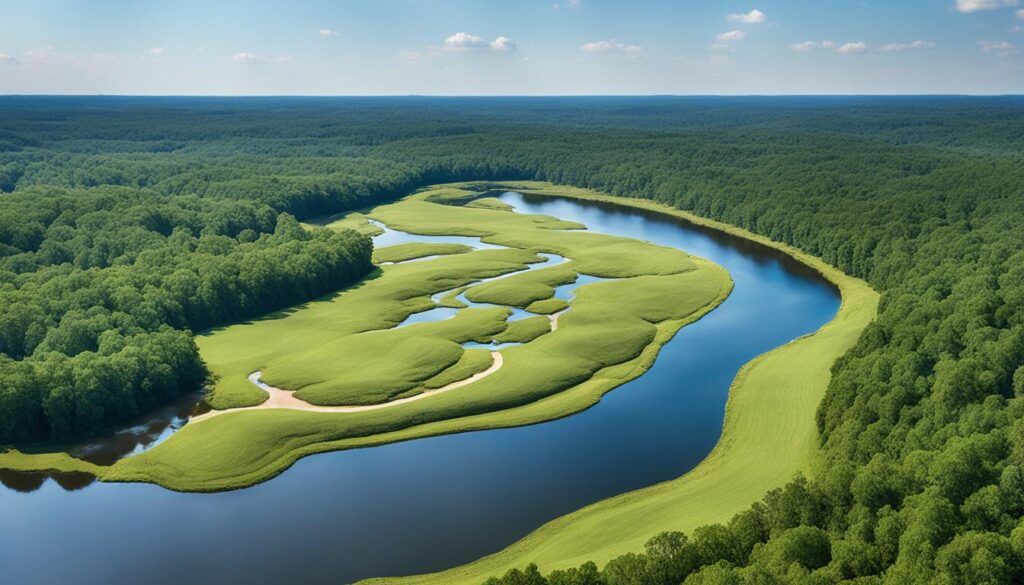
(768, 436)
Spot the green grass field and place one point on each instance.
(343, 350)
(524, 330)
(769, 435)
(412, 251)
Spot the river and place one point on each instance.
(432, 503)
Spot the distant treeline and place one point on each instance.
(922, 427)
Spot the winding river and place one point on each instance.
(432, 503)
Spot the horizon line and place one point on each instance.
(486, 96)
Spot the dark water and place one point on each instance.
(428, 504)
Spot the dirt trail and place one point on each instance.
(553, 318)
(286, 399)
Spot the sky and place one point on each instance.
(503, 47)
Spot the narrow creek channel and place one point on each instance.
(432, 503)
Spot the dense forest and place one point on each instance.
(127, 223)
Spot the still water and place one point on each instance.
(428, 504)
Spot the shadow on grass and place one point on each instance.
(283, 313)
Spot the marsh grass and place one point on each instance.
(344, 350)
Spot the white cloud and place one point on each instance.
(851, 48)
(975, 5)
(462, 41)
(40, 53)
(156, 51)
(733, 35)
(1020, 14)
(6, 59)
(908, 46)
(723, 40)
(248, 59)
(285, 59)
(326, 33)
(755, 16)
(103, 57)
(575, 3)
(503, 45)
(611, 46)
(409, 55)
(805, 46)
(997, 46)
(846, 49)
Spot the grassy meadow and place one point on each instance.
(345, 349)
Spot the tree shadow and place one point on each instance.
(286, 312)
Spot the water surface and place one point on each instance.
(432, 503)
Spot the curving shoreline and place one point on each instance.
(590, 520)
(580, 398)
(769, 410)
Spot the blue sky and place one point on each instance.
(529, 47)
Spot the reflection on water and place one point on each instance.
(610, 218)
(137, 436)
(428, 504)
(29, 481)
(140, 434)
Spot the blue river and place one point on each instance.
(428, 504)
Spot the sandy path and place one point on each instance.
(554, 318)
(286, 399)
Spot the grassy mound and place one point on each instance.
(522, 289)
(547, 306)
(524, 330)
(473, 361)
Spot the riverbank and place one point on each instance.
(611, 336)
(768, 436)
